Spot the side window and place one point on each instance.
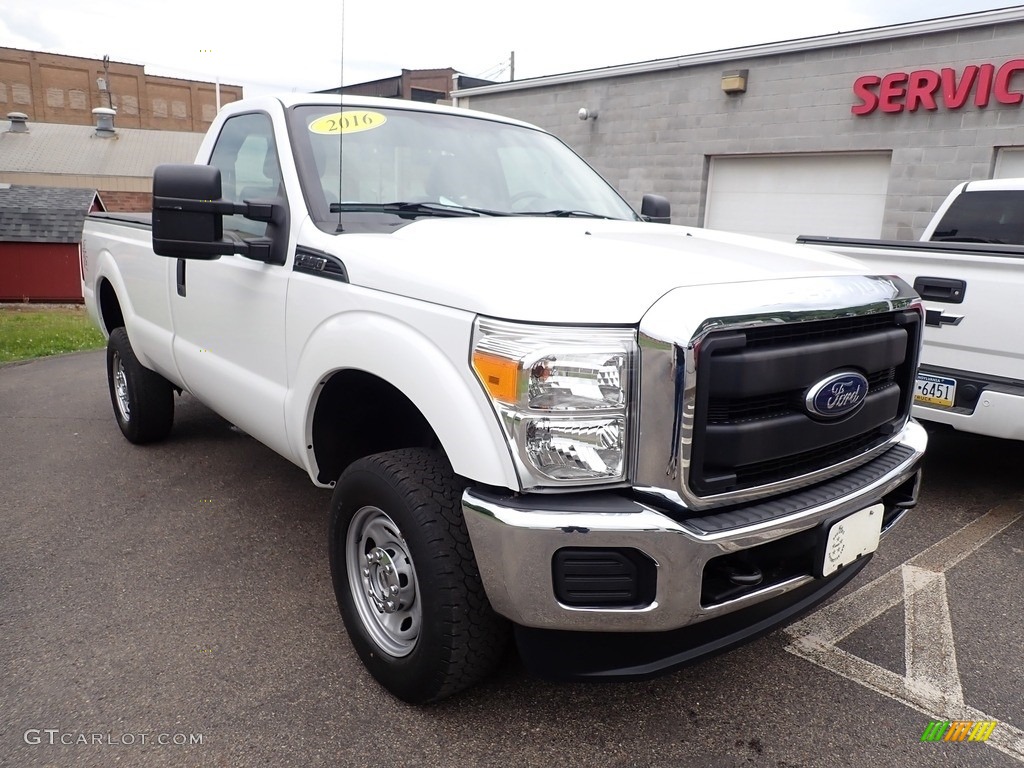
(249, 169)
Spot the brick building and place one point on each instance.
(50, 139)
(52, 88)
(858, 134)
(426, 85)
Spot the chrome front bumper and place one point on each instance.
(515, 538)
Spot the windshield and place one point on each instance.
(377, 169)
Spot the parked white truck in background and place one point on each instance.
(633, 444)
(968, 268)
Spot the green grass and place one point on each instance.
(37, 331)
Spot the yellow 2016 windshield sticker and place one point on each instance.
(352, 121)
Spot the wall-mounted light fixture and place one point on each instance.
(587, 114)
(735, 80)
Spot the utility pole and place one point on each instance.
(512, 66)
(106, 80)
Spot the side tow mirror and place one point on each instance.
(657, 209)
(188, 217)
(185, 223)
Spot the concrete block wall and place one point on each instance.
(657, 131)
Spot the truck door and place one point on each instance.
(229, 313)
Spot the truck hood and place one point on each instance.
(566, 270)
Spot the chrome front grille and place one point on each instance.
(722, 398)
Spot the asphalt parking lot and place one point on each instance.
(171, 605)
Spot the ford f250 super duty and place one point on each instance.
(968, 267)
(628, 444)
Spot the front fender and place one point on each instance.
(431, 371)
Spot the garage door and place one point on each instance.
(783, 196)
(1010, 163)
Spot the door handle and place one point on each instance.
(181, 277)
(942, 289)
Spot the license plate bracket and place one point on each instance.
(848, 539)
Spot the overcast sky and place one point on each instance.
(298, 45)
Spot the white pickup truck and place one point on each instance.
(629, 444)
(968, 267)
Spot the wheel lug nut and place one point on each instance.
(393, 590)
(366, 572)
(390, 605)
(388, 569)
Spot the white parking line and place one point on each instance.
(932, 682)
(930, 653)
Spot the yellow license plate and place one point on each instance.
(936, 391)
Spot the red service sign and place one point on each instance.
(947, 88)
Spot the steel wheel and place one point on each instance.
(382, 578)
(121, 389)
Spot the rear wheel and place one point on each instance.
(143, 400)
(405, 577)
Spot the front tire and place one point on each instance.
(405, 577)
(143, 400)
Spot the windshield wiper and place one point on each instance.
(413, 210)
(564, 213)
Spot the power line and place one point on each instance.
(494, 71)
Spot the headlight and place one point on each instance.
(562, 396)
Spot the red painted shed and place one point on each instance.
(41, 240)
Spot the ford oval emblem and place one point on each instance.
(837, 395)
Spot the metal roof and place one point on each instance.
(76, 149)
(907, 29)
(43, 214)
